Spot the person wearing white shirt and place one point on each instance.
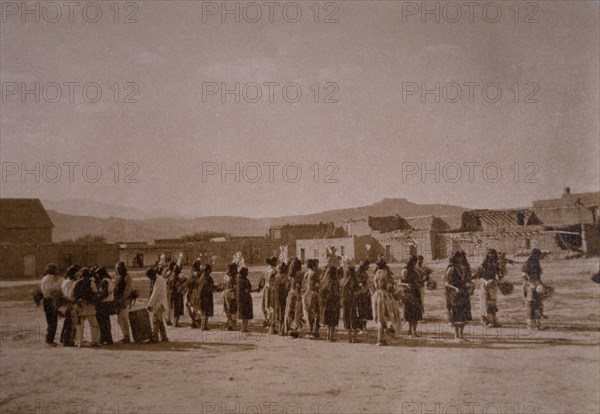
(158, 304)
(67, 334)
(50, 288)
(105, 306)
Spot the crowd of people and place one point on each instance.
(294, 302)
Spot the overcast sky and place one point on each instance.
(365, 60)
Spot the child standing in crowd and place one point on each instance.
(244, 299)
(50, 288)
(122, 293)
(158, 305)
(105, 306)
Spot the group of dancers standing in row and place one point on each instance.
(294, 302)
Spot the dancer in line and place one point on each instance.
(329, 302)
(349, 302)
(489, 275)
(310, 300)
(413, 309)
(385, 307)
(457, 295)
(533, 290)
(365, 308)
(244, 299)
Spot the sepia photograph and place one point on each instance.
(299, 207)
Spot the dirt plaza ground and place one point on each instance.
(499, 370)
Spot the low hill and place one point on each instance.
(71, 226)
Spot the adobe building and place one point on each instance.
(288, 234)
(418, 236)
(567, 224)
(26, 245)
(24, 220)
(513, 231)
(394, 237)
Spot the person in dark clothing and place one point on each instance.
(329, 302)
(280, 289)
(349, 303)
(413, 309)
(230, 296)
(244, 299)
(310, 299)
(51, 291)
(67, 334)
(457, 295)
(534, 289)
(175, 293)
(365, 308)
(105, 305)
(489, 274)
(205, 298)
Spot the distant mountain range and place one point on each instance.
(78, 217)
(81, 207)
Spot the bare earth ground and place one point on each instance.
(508, 370)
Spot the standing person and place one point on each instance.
(67, 334)
(51, 291)
(175, 284)
(169, 276)
(425, 280)
(205, 297)
(329, 302)
(293, 306)
(349, 302)
(158, 305)
(466, 267)
(457, 295)
(122, 293)
(86, 294)
(385, 307)
(105, 306)
(230, 296)
(280, 288)
(533, 289)
(267, 297)
(310, 300)
(192, 294)
(365, 308)
(489, 274)
(413, 309)
(244, 299)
